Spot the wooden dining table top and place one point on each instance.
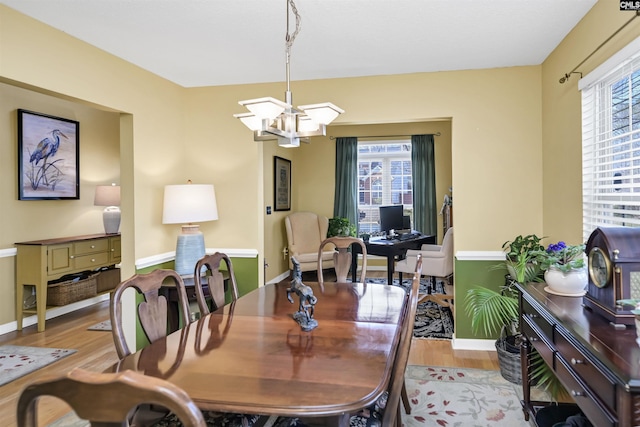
(252, 357)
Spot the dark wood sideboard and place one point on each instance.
(598, 364)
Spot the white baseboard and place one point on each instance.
(471, 344)
(53, 312)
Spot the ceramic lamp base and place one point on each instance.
(111, 219)
(189, 249)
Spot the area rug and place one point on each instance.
(463, 397)
(17, 361)
(433, 321)
(102, 326)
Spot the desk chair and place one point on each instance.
(215, 280)
(152, 313)
(437, 262)
(107, 399)
(305, 232)
(342, 257)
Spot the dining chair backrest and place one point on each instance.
(152, 312)
(392, 416)
(215, 281)
(107, 399)
(342, 257)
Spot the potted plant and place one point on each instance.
(496, 312)
(565, 270)
(518, 259)
(341, 227)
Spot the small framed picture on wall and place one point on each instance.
(48, 157)
(282, 183)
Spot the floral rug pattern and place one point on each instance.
(443, 397)
(17, 361)
(432, 320)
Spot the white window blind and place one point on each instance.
(611, 147)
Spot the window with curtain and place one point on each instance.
(384, 178)
(611, 142)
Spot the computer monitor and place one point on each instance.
(391, 218)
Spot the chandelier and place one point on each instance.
(270, 118)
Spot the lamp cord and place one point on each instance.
(289, 38)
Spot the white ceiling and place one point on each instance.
(220, 42)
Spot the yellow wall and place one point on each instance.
(36, 219)
(562, 127)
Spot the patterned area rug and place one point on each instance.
(432, 320)
(102, 326)
(17, 361)
(463, 397)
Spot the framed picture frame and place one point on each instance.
(48, 157)
(281, 184)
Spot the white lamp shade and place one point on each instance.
(250, 120)
(189, 203)
(107, 195)
(323, 113)
(265, 108)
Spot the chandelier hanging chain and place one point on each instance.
(270, 118)
(290, 38)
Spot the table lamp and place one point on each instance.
(188, 204)
(109, 196)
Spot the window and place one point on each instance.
(611, 143)
(384, 178)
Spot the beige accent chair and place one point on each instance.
(305, 232)
(437, 262)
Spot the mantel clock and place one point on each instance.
(614, 272)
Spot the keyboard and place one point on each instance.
(408, 236)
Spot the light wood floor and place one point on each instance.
(97, 352)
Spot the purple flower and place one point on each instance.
(556, 247)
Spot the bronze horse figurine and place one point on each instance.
(306, 306)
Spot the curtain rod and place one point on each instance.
(566, 76)
(385, 136)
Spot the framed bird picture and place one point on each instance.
(48, 157)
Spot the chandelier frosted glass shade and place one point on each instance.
(323, 113)
(265, 108)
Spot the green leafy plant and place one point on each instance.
(493, 311)
(519, 258)
(521, 245)
(341, 227)
(561, 256)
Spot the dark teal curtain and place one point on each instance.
(345, 203)
(424, 184)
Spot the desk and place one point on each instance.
(598, 364)
(392, 249)
(252, 357)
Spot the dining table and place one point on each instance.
(252, 357)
